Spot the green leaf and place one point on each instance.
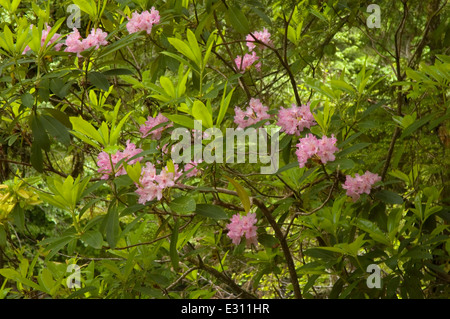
(118, 71)
(111, 226)
(27, 100)
(224, 103)
(353, 148)
(193, 44)
(82, 126)
(15, 276)
(55, 128)
(39, 134)
(341, 85)
(99, 80)
(241, 193)
(416, 125)
(183, 204)
(183, 48)
(389, 197)
(201, 113)
(60, 116)
(87, 6)
(36, 158)
(373, 230)
(181, 120)
(60, 88)
(211, 211)
(93, 238)
(238, 20)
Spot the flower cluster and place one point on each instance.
(261, 36)
(254, 113)
(310, 145)
(95, 39)
(243, 225)
(147, 127)
(107, 163)
(244, 63)
(191, 168)
(294, 119)
(44, 35)
(151, 185)
(359, 184)
(143, 21)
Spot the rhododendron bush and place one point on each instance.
(223, 149)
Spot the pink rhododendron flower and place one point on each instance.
(44, 35)
(148, 189)
(327, 148)
(294, 119)
(94, 39)
(107, 165)
(262, 36)
(244, 63)
(243, 225)
(358, 185)
(146, 129)
(310, 146)
(143, 21)
(306, 148)
(151, 185)
(192, 165)
(254, 113)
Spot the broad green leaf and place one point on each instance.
(15, 276)
(224, 103)
(168, 87)
(416, 125)
(182, 120)
(353, 148)
(27, 100)
(93, 238)
(201, 113)
(211, 211)
(39, 134)
(88, 6)
(118, 71)
(46, 280)
(183, 48)
(242, 193)
(134, 171)
(183, 205)
(82, 126)
(238, 20)
(193, 44)
(55, 128)
(111, 226)
(389, 197)
(342, 85)
(115, 131)
(36, 158)
(99, 80)
(374, 231)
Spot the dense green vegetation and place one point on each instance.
(382, 92)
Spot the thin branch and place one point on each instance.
(284, 246)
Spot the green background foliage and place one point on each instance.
(383, 92)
